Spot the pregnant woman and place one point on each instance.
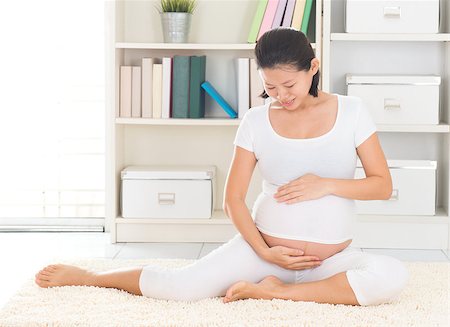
(295, 243)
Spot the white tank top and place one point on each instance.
(328, 219)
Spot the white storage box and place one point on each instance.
(413, 189)
(168, 192)
(401, 99)
(392, 16)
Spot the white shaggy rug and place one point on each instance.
(425, 302)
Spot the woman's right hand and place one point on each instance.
(290, 258)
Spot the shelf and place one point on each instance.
(179, 122)
(189, 46)
(441, 217)
(390, 37)
(441, 128)
(186, 46)
(218, 218)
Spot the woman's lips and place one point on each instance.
(288, 103)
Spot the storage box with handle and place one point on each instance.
(168, 191)
(392, 16)
(398, 99)
(414, 189)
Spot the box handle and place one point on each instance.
(394, 195)
(392, 104)
(392, 12)
(166, 198)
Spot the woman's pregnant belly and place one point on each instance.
(319, 227)
(320, 250)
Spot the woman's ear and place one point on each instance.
(314, 65)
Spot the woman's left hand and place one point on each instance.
(306, 187)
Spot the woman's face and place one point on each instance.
(288, 85)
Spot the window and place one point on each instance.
(52, 112)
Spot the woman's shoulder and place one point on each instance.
(257, 113)
(350, 102)
(350, 105)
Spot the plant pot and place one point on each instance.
(176, 26)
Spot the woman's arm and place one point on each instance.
(236, 186)
(376, 186)
(378, 183)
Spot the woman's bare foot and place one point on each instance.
(63, 275)
(266, 289)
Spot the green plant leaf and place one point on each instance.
(187, 6)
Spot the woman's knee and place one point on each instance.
(380, 280)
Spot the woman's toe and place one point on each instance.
(42, 283)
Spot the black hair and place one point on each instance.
(286, 46)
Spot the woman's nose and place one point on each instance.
(282, 94)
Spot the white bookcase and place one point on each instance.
(219, 30)
(397, 54)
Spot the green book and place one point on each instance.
(180, 87)
(196, 92)
(257, 20)
(312, 24)
(306, 15)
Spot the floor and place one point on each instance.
(23, 254)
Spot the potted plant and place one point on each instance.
(176, 19)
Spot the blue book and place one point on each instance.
(219, 99)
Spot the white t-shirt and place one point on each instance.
(328, 219)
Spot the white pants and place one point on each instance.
(375, 279)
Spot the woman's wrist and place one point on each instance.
(263, 252)
(330, 185)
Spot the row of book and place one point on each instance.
(176, 87)
(275, 13)
(157, 89)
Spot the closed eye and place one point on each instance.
(271, 88)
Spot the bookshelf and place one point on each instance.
(179, 122)
(219, 30)
(397, 54)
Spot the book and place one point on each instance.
(166, 87)
(125, 91)
(242, 66)
(298, 14)
(312, 24)
(306, 15)
(257, 20)
(288, 13)
(279, 13)
(147, 88)
(136, 92)
(157, 90)
(196, 92)
(180, 86)
(256, 85)
(219, 99)
(268, 18)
